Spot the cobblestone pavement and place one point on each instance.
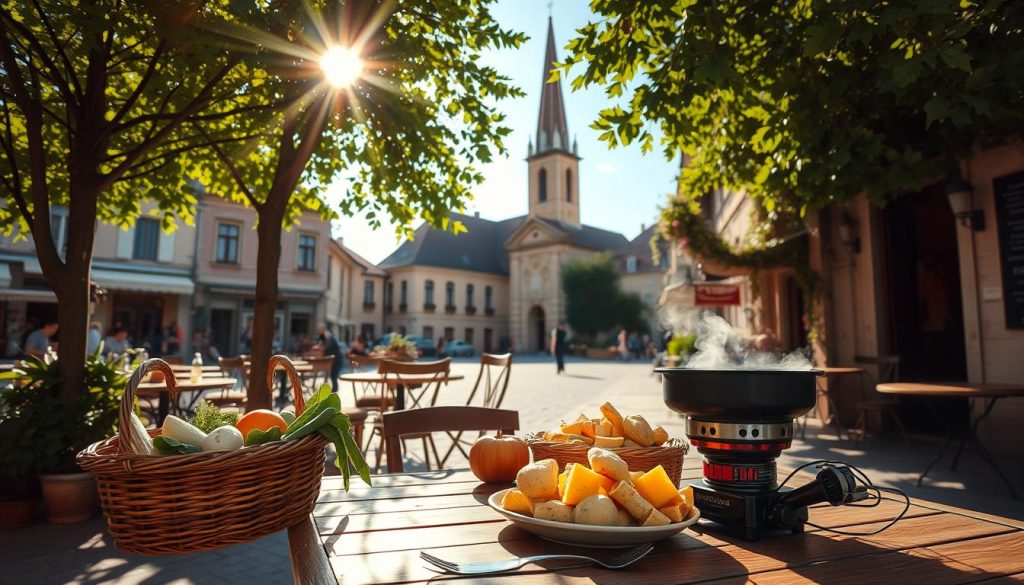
(83, 553)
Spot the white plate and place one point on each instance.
(592, 536)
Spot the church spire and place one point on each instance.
(552, 128)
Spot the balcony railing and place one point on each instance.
(450, 309)
(429, 307)
(403, 307)
(489, 311)
(369, 306)
(471, 310)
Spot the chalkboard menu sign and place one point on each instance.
(1009, 192)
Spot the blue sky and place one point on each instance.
(620, 189)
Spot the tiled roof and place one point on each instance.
(482, 247)
(368, 267)
(552, 127)
(640, 247)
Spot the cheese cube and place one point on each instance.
(583, 482)
(518, 502)
(656, 487)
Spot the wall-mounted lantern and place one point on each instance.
(848, 232)
(959, 192)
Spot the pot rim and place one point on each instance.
(733, 371)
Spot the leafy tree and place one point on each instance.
(98, 101)
(802, 104)
(407, 132)
(594, 301)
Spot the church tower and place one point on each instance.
(553, 163)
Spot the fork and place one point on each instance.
(628, 558)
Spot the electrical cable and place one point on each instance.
(876, 497)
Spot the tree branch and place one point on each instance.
(149, 143)
(68, 68)
(230, 165)
(54, 76)
(146, 77)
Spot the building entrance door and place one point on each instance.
(923, 305)
(538, 332)
(222, 335)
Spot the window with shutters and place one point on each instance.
(147, 239)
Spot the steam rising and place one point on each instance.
(719, 348)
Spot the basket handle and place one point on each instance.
(284, 362)
(125, 436)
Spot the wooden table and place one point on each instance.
(184, 386)
(968, 433)
(374, 535)
(398, 382)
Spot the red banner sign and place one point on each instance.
(716, 295)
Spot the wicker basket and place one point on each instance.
(669, 456)
(159, 505)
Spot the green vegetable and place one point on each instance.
(168, 446)
(180, 430)
(258, 437)
(321, 419)
(209, 416)
(288, 416)
(323, 398)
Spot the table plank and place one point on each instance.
(956, 562)
(707, 554)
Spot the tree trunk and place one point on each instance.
(268, 258)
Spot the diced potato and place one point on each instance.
(518, 502)
(553, 510)
(637, 429)
(656, 518)
(579, 439)
(686, 501)
(630, 444)
(601, 441)
(583, 482)
(596, 510)
(608, 464)
(627, 497)
(604, 428)
(614, 417)
(556, 437)
(674, 513)
(634, 475)
(539, 480)
(656, 487)
(574, 428)
(660, 435)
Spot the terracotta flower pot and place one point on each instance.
(17, 513)
(69, 497)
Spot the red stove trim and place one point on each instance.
(739, 446)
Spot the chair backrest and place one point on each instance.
(418, 378)
(234, 367)
(888, 366)
(493, 386)
(438, 419)
(321, 364)
(363, 362)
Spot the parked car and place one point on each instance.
(424, 345)
(458, 348)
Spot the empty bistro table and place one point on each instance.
(967, 433)
(375, 534)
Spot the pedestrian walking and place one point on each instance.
(331, 348)
(559, 345)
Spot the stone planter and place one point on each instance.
(17, 513)
(69, 497)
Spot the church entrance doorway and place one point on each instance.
(537, 330)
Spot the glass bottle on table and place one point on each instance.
(197, 369)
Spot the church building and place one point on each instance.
(501, 281)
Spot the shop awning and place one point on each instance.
(143, 282)
(27, 294)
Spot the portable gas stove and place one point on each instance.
(741, 421)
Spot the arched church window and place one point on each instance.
(542, 180)
(568, 185)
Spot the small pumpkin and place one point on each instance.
(498, 459)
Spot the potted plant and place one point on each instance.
(398, 349)
(19, 487)
(679, 348)
(57, 432)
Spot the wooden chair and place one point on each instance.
(369, 395)
(321, 371)
(232, 368)
(421, 383)
(492, 380)
(424, 421)
(888, 371)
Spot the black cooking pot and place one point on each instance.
(739, 395)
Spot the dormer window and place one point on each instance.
(630, 264)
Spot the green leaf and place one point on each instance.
(259, 437)
(935, 109)
(168, 446)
